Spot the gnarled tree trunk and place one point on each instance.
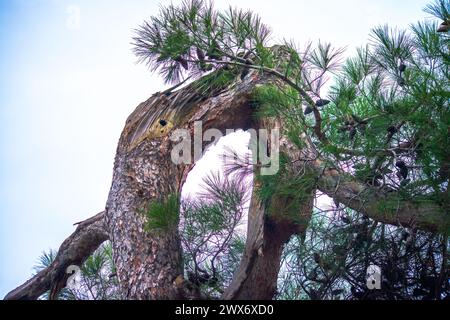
(149, 264)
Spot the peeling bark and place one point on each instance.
(88, 236)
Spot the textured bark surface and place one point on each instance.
(73, 251)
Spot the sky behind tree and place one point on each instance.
(68, 81)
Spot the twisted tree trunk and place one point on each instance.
(149, 264)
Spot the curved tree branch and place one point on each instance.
(382, 206)
(73, 251)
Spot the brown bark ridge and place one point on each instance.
(73, 251)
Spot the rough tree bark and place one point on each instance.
(149, 265)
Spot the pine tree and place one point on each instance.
(376, 144)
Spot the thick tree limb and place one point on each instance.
(270, 226)
(73, 251)
(382, 206)
(257, 274)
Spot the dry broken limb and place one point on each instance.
(149, 264)
(87, 237)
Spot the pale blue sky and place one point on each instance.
(68, 82)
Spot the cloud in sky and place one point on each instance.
(68, 80)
